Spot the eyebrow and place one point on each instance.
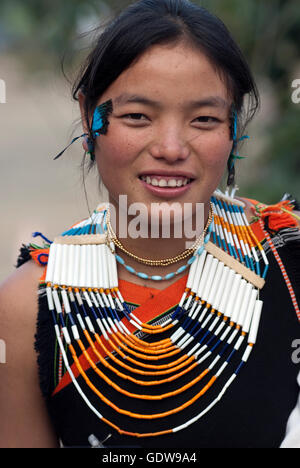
(210, 101)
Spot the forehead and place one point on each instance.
(168, 72)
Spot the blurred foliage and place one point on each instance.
(43, 32)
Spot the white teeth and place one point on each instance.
(164, 182)
(172, 183)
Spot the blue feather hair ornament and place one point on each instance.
(99, 126)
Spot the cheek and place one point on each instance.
(116, 148)
(214, 150)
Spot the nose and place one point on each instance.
(170, 145)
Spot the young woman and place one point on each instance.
(170, 87)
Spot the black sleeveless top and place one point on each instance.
(253, 412)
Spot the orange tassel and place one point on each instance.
(277, 215)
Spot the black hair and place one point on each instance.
(150, 22)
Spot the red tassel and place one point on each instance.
(278, 218)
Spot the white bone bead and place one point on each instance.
(100, 325)
(244, 305)
(94, 282)
(228, 383)
(219, 290)
(70, 265)
(112, 324)
(88, 274)
(135, 324)
(57, 266)
(192, 351)
(247, 353)
(99, 265)
(99, 298)
(238, 301)
(255, 322)
(193, 312)
(111, 261)
(264, 257)
(250, 311)
(192, 271)
(218, 330)
(50, 298)
(66, 335)
(203, 357)
(64, 265)
(75, 332)
(51, 263)
(232, 295)
(214, 324)
(82, 266)
(56, 301)
(93, 298)
(227, 291)
(78, 297)
(176, 335)
(182, 299)
(104, 297)
(254, 254)
(215, 283)
(105, 268)
(114, 269)
(210, 279)
(199, 270)
(189, 300)
(90, 325)
(239, 342)
(66, 301)
(226, 332)
(110, 299)
(208, 318)
(81, 322)
(75, 277)
(204, 275)
(217, 358)
(198, 309)
(195, 303)
(88, 300)
(219, 372)
(186, 343)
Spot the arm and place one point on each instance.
(24, 418)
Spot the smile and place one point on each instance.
(166, 181)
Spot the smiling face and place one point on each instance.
(169, 137)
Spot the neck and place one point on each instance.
(168, 242)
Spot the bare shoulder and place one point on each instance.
(18, 293)
(21, 403)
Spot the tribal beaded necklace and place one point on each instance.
(214, 326)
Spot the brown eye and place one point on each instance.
(135, 116)
(206, 119)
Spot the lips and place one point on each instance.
(166, 186)
(165, 181)
(167, 174)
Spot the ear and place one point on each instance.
(81, 99)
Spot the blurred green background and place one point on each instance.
(38, 116)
